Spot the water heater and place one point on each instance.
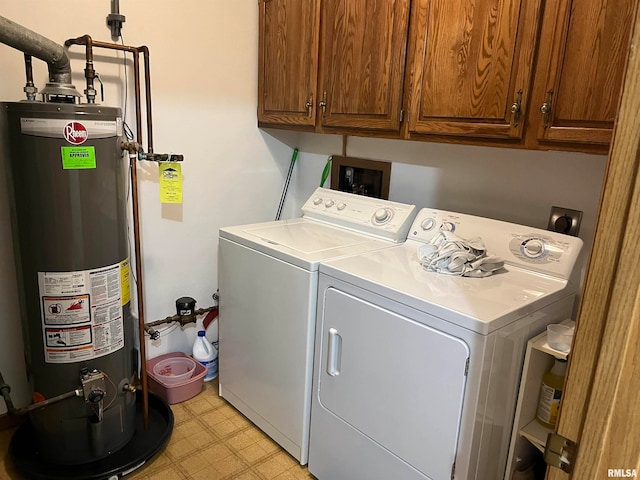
(68, 187)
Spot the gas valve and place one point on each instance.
(96, 395)
(93, 385)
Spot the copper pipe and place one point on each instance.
(139, 290)
(147, 87)
(136, 72)
(89, 72)
(136, 86)
(147, 90)
(134, 193)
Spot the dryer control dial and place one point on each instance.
(317, 201)
(341, 206)
(448, 227)
(427, 224)
(382, 215)
(537, 249)
(329, 203)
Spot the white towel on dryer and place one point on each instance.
(452, 255)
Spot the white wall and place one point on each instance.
(203, 59)
(508, 184)
(204, 82)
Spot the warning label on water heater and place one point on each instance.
(82, 313)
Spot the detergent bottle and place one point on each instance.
(550, 394)
(207, 355)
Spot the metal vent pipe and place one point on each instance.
(34, 44)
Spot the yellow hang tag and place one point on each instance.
(170, 182)
(125, 286)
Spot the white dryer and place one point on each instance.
(268, 278)
(416, 373)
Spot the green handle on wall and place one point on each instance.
(326, 171)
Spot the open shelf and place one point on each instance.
(536, 434)
(540, 344)
(527, 434)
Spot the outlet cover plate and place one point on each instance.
(565, 220)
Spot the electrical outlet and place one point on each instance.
(565, 220)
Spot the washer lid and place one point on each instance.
(301, 241)
(482, 305)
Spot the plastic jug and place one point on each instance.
(550, 394)
(207, 355)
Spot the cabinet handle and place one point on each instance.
(545, 109)
(334, 350)
(323, 103)
(309, 105)
(516, 110)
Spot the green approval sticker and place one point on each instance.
(76, 158)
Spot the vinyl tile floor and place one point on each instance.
(211, 440)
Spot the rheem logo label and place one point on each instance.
(75, 133)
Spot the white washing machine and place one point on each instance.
(416, 373)
(268, 279)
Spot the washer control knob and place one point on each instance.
(317, 201)
(427, 224)
(448, 226)
(329, 203)
(534, 248)
(341, 206)
(382, 215)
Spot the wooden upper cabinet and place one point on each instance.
(583, 50)
(470, 66)
(470, 71)
(288, 61)
(362, 61)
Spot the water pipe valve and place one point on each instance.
(153, 333)
(160, 157)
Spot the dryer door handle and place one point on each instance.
(334, 352)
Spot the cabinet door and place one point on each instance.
(584, 45)
(470, 63)
(363, 49)
(288, 61)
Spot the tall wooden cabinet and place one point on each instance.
(471, 65)
(288, 62)
(582, 56)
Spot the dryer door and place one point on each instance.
(399, 382)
